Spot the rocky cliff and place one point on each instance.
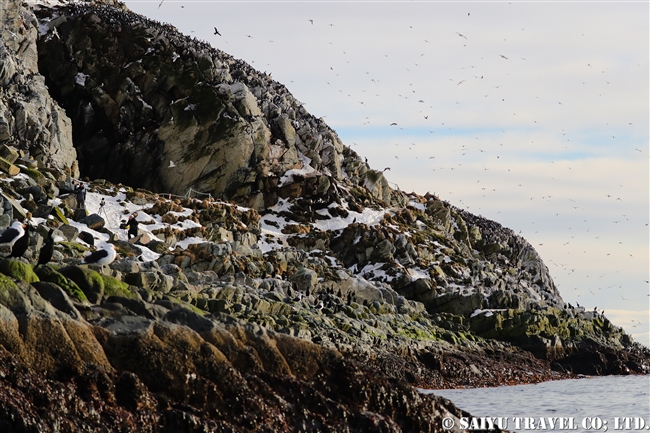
(140, 95)
(303, 295)
(30, 118)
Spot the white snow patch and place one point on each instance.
(144, 104)
(417, 274)
(189, 241)
(487, 313)
(305, 171)
(370, 217)
(372, 270)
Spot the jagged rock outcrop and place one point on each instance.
(316, 308)
(227, 333)
(30, 119)
(172, 113)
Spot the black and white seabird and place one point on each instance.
(45, 255)
(104, 256)
(20, 245)
(12, 234)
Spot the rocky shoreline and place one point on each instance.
(303, 294)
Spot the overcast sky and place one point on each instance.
(534, 115)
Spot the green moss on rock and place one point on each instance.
(38, 177)
(115, 287)
(90, 282)
(46, 273)
(10, 294)
(18, 270)
(59, 215)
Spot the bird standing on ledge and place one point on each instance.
(104, 256)
(45, 255)
(12, 234)
(20, 245)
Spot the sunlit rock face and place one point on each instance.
(155, 109)
(30, 119)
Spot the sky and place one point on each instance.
(532, 114)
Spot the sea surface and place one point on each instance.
(599, 404)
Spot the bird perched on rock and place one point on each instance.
(20, 245)
(103, 256)
(45, 255)
(12, 234)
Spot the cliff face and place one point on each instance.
(140, 95)
(30, 118)
(317, 307)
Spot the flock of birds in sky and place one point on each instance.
(491, 152)
(494, 155)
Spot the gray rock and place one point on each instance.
(191, 319)
(304, 279)
(126, 265)
(139, 307)
(286, 130)
(126, 325)
(245, 101)
(69, 232)
(94, 221)
(56, 296)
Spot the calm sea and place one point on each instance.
(612, 403)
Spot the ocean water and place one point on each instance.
(598, 404)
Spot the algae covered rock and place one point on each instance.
(90, 282)
(47, 274)
(11, 296)
(56, 296)
(115, 287)
(18, 270)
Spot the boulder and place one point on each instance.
(56, 296)
(18, 270)
(72, 290)
(69, 232)
(8, 167)
(11, 296)
(304, 280)
(90, 282)
(9, 153)
(93, 221)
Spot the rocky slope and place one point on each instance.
(313, 299)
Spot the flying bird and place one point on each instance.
(461, 35)
(216, 32)
(312, 22)
(501, 55)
